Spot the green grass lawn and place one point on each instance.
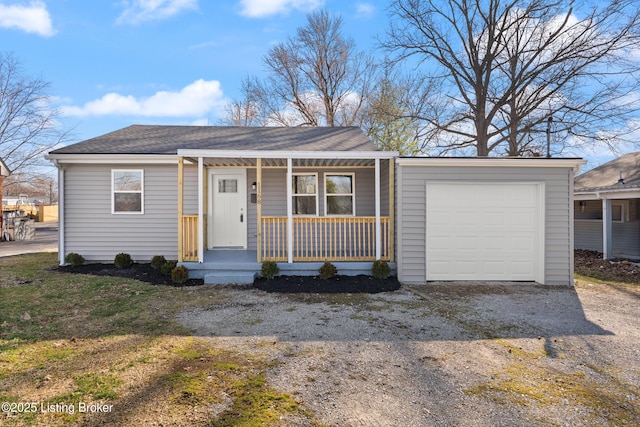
(69, 341)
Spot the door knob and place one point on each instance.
(241, 218)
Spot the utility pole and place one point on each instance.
(549, 121)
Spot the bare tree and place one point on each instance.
(244, 111)
(28, 121)
(316, 78)
(510, 65)
(392, 114)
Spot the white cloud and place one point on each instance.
(195, 100)
(139, 11)
(33, 18)
(263, 8)
(365, 10)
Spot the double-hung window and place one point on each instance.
(339, 194)
(305, 193)
(127, 191)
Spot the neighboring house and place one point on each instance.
(223, 199)
(607, 208)
(4, 171)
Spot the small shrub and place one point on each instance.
(380, 269)
(168, 267)
(328, 270)
(180, 274)
(270, 269)
(74, 259)
(157, 262)
(122, 261)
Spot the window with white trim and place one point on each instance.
(305, 193)
(619, 210)
(127, 191)
(340, 194)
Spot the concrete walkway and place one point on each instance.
(46, 241)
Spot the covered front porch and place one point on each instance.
(608, 222)
(289, 207)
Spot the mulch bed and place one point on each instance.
(142, 272)
(282, 284)
(590, 263)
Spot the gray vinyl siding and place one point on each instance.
(94, 232)
(411, 203)
(384, 187)
(625, 236)
(90, 228)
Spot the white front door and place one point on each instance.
(227, 208)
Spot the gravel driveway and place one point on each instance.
(444, 354)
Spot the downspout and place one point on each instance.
(378, 253)
(572, 221)
(61, 216)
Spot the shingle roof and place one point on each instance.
(607, 176)
(157, 139)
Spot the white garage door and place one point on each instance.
(485, 231)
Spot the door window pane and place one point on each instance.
(227, 186)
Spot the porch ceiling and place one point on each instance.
(244, 162)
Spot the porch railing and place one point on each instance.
(324, 238)
(190, 237)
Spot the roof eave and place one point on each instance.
(606, 193)
(287, 154)
(575, 164)
(112, 158)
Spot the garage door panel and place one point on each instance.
(483, 231)
(494, 243)
(463, 218)
(494, 268)
(466, 267)
(440, 244)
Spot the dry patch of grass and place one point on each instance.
(532, 379)
(87, 350)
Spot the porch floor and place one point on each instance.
(226, 266)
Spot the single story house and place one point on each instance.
(607, 208)
(222, 200)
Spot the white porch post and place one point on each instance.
(606, 228)
(378, 228)
(289, 211)
(200, 209)
(259, 207)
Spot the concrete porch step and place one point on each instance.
(229, 277)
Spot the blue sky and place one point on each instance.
(118, 62)
(114, 63)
